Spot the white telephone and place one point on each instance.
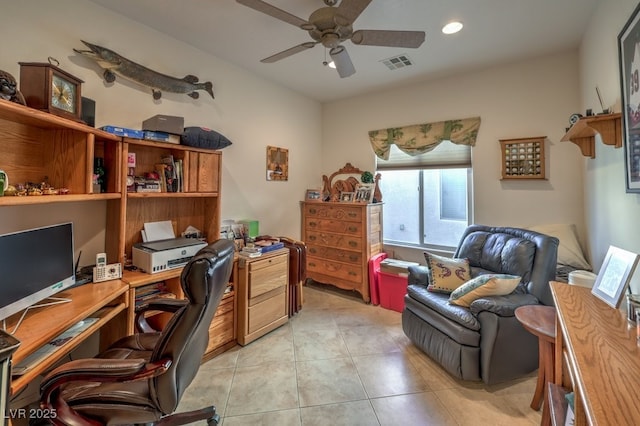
(104, 272)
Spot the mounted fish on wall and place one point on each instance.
(114, 64)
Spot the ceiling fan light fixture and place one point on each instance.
(452, 27)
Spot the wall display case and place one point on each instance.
(523, 158)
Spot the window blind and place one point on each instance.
(445, 155)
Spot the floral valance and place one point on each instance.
(421, 138)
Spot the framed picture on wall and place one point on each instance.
(629, 56)
(614, 275)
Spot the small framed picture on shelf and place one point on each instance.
(364, 193)
(614, 276)
(347, 197)
(313, 195)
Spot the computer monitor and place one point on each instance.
(35, 264)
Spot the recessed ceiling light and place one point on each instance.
(452, 27)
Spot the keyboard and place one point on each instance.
(51, 347)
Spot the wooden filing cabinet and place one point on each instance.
(340, 239)
(222, 331)
(263, 293)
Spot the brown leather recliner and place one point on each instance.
(141, 378)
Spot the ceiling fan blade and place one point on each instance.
(286, 53)
(273, 11)
(351, 9)
(409, 39)
(341, 58)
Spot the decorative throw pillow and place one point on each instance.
(484, 285)
(569, 251)
(201, 137)
(446, 274)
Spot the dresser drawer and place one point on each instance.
(221, 330)
(334, 211)
(222, 327)
(347, 242)
(268, 311)
(338, 226)
(267, 275)
(344, 271)
(334, 254)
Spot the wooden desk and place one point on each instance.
(597, 355)
(107, 300)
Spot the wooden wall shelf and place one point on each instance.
(583, 133)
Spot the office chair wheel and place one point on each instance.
(213, 421)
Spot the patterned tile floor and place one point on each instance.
(342, 362)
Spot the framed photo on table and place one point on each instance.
(313, 195)
(364, 193)
(628, 52)
(614, 276)
(347, 197)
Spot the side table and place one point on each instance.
(540, 320)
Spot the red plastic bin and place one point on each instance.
(374, 271)
(393, 288)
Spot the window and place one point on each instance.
(425, 205)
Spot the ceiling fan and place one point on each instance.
(332, 25)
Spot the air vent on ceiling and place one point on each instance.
(396, 62)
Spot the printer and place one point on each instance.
(162, 255)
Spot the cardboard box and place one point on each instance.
(164, 123)
(395, 266)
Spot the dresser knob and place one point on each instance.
(313, 211)
(353, 229)
(353, 243)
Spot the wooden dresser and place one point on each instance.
(597, 356)
(340, 239)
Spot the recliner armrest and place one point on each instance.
(503, 306)
(418, 274)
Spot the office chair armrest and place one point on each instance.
(94, 370)
(158, 304)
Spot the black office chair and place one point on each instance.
(141, 378)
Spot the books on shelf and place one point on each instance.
(251, 252)
(161, 137)
(272, 247)
(152, 291)
(123, 131)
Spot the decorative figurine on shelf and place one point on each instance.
(366, 177)
(377, 194)
(8, 89)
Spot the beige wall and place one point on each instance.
(250, 111)
(611, 214)
(528, 98)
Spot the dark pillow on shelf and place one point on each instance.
(201, 137)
